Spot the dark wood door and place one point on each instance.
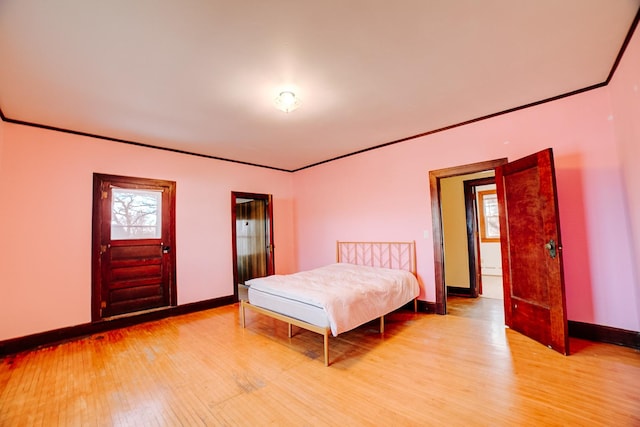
(134, 245)
(252, 236)
(534, 296)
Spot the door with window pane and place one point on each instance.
(133, 245)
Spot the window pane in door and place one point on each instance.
(135, 214)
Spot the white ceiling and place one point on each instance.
(200, 75)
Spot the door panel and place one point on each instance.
(134, 231)
(534, 297)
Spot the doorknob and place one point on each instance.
(551, 247)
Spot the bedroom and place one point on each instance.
(46, 187)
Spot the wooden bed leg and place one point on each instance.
(415, 305)
(382, 324)
(326, 348)
(290, 330)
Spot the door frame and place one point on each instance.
(436, 220)
(99, 180)
(234, 248)
(473, 233)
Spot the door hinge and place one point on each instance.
(105, 194)
(103, 304)
(103, 249)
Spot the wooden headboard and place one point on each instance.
(396, 255)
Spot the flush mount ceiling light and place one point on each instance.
(287, 101)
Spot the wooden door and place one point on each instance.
(252, 236)
(133, 244)
(534, 296)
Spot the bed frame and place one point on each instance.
(394, 255)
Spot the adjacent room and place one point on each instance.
(159, 161)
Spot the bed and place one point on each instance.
(368, 281)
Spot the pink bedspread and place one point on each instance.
(349, 294)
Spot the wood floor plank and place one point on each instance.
(204, 369)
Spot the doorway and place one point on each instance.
(133, 248)
(460, 233)
(483, 237)
(531, 249)
(486, 238)
(436, 182)
(472, 256)
(252, 239)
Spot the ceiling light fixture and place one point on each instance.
(287, 101)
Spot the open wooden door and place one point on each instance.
(534, 297)
(252, 237)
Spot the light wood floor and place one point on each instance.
(203, 369)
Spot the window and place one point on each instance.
(489, 219)
(135, 214)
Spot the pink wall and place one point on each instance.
(384, 195)
(1, 144)
(45, 216)
(625, 100)
(45, 222)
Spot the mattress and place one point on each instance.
(348, 295)
(298, 310)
